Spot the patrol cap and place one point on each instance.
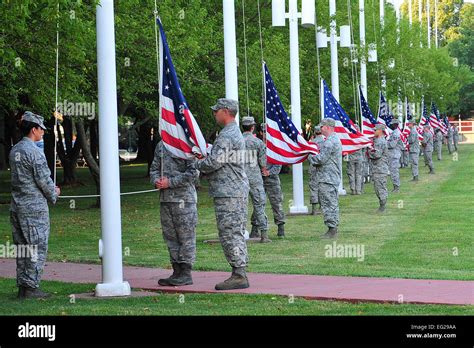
(225, 103)
(317, 129)
(328, 122)
(394, 121)
(33, 118)
(379, 126)
(248, 121)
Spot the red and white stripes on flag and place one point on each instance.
(179, 130)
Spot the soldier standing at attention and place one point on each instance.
(255, 167)
(32, 189)
(395, 147)
(329, 176)
(229, 186)
(455, 137)
(414, 150)
(427, 144)
(313, 174)
(354, 170)
(438, 143)
(379, 158)
(176, 178)
(450, 139)
(272, 186)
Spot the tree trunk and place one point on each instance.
(91, 161)
(3, 153)
(144, 144)
(67, 152)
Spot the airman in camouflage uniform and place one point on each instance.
(379, 158)
(450, 139)
(255, 166)
(32, 189)
(414, 150)
(176, 179)
(455, 137)
(229, 186)
(313, 175)
(427, 144)
(329, 176)
(438, 143)
(355, 163)
(395, 147)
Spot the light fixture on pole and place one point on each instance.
(345, 41)
(307, 16)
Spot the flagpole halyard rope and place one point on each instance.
(245, 58)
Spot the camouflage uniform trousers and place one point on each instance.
(231, 216)
(30, 231)
(414, 157)
(429, 159)
(259, 200)
(355, 174)
(450, 146)
(394, 163)
(313, 187)
(272, 187)
(178, 221)
(380, 186)
(328, 195)
(438, 149)
(405, 159)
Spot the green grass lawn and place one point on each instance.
(426, 232)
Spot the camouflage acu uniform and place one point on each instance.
(355, 165)
(313, 175)
(255, 161)
(455, 138)
(379, 159)
(178, 211)
(427, 143)
(395, 147)
(328, 178)
(438, 144)
(32, 189)
(272, 187)
(414, 151)
(450, 139)
(229, 186)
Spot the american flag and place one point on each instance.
(368, 120)
(406, 130)
(179, 130)
(351, 139)
(384, 115)
(285, 144)
(424, 120)
(434, 118)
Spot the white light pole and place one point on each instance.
(429, 22)
(436, 23)
(110, 246)
(420, 18)
(410, 16)
(345, 40)
(230, 52)
(307, 16)
(382, 13)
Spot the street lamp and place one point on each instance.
(307, 16)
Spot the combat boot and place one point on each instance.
(33, 293)
(254, 233)
(184, 277)
(431, 171)
(415, 178)
(396, 189)
(352, 192)
(238, 280)
(281, 230)
(382, 206)
(265, 239)
(176, 271)
(330, 234)
(314, 209)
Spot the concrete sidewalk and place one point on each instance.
(352, 289)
